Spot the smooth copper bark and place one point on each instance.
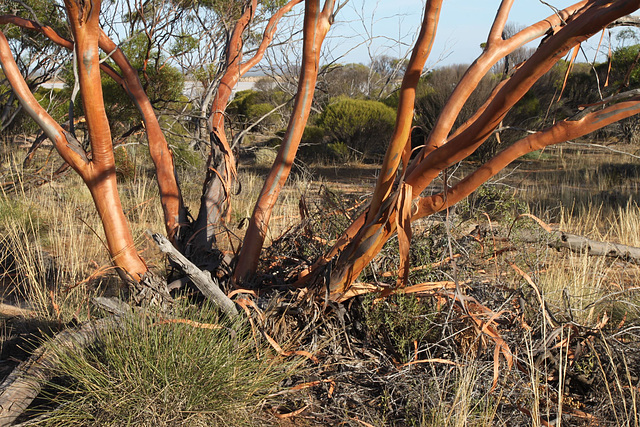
(406, 105)
(317, 22)
(173, 208)
(100, 175)
(580, 21)
(562, 131)
(215, 204)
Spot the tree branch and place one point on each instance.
(202, 279)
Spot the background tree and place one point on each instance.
(38, 59)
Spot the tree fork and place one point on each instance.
(381, 224)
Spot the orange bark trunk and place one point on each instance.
(316, 25)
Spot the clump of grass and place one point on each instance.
(151, 372)
(455, 399)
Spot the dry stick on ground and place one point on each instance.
(22, 386)
(202, 279)
(580, 244)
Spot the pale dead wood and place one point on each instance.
(202, 279)
(580, 244)
(24, 384)
(7, 310)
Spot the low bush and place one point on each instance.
(364, 126)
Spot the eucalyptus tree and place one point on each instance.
(398, 197)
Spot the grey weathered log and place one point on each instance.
(580, 244)
(113, 305)
(25, 382)
(202, 279)
(7, 310)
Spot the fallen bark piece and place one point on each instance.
(22, 386)
(202, 279)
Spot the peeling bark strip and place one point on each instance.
(202, 279)
(23, 385)
(215, 205)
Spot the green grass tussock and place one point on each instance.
(154, 373)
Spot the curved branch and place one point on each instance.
(170, 196)
(52, 35)
(316, 26)
(100, 176)
(496, 50)
(68, 147)
(578, 126)
(578, 28)
(267, 38)
(495, 34)
(406, 105)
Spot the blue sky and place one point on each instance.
(464, 24)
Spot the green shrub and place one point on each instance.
(185, 156)
(338, 150)
(256, 111)
(365, 126)
(499, 203)
(313, 135)
(399, 320)
(248, 106)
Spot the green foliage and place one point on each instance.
(434, 91)
(163, 83)
(499, 203)
(400, 320)
(313, 135)
(365, 126)
(338, 150)
(313, 147)
(248, 106)
(624, 59)
(150, 372)
(186, 157)
(47, 11)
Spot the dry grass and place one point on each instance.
(55, 237)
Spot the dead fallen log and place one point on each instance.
(25, 382)
(7, 310)
(202, 279)
(560, 240)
